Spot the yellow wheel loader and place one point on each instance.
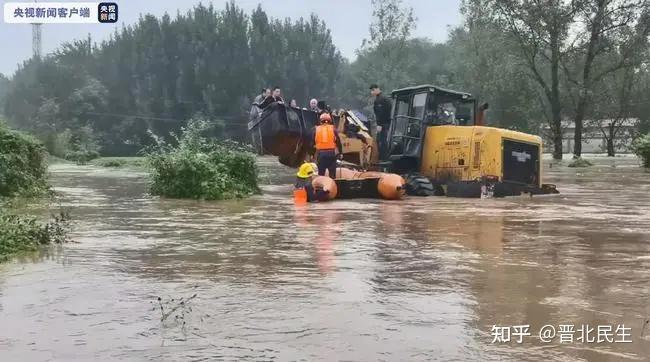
(436, 141)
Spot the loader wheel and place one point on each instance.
(418, 185)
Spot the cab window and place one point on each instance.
(402, 106)
(465, 113)
(401, 109)
(419, 104)
(446, 113)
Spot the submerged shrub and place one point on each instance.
(23, 167)
(580, 162)
(119, 162)
(641, 147)
(111, 163)
(200, 168)
(25, 233)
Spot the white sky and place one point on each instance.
(348, 20)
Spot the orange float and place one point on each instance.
(326, 184)
(390, 186)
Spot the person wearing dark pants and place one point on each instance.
(327, 142)
(382, 108)
(326, 161)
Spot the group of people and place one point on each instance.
(326, 143)
(268, 96)
(328, 148)
(325, 139)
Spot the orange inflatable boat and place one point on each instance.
(358, 184)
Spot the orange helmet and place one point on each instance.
(325, 117)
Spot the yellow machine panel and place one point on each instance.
(467, 153)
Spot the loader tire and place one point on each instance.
(418, 185)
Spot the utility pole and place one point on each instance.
(37, 45)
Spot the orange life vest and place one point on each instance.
(325, 137)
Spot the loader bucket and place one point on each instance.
(283, 131)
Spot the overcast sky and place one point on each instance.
(348, 20)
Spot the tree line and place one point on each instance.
(159, 72)
(536, 62)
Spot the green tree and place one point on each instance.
(385, 56)
(157, 73)
(612, 32)
(4, 88)
(613, 113)
(484, 61)
(541, 31)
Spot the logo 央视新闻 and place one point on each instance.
(107, 12)
(522, 156)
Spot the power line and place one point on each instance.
(226, 120)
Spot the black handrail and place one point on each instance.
(409, 117)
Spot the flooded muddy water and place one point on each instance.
(421, 279)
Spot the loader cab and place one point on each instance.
(414, 110)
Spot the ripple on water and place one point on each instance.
(421, 279)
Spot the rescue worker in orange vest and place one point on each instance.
(326, 143)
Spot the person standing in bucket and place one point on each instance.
(303, 190)
(274, 97)
(327, 142)
(313, 105)
(382, 108)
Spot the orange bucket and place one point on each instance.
(300, 196)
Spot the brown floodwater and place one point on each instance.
(365, 280)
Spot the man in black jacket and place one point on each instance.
(382, 108)
(274, 97)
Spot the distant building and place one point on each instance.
(593, 140)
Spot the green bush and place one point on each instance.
(81, 157)
(641, 147)
(201, 168)
(23, 166)
(111, 163)
(118, 162)
(24, 233)
(80, 146)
